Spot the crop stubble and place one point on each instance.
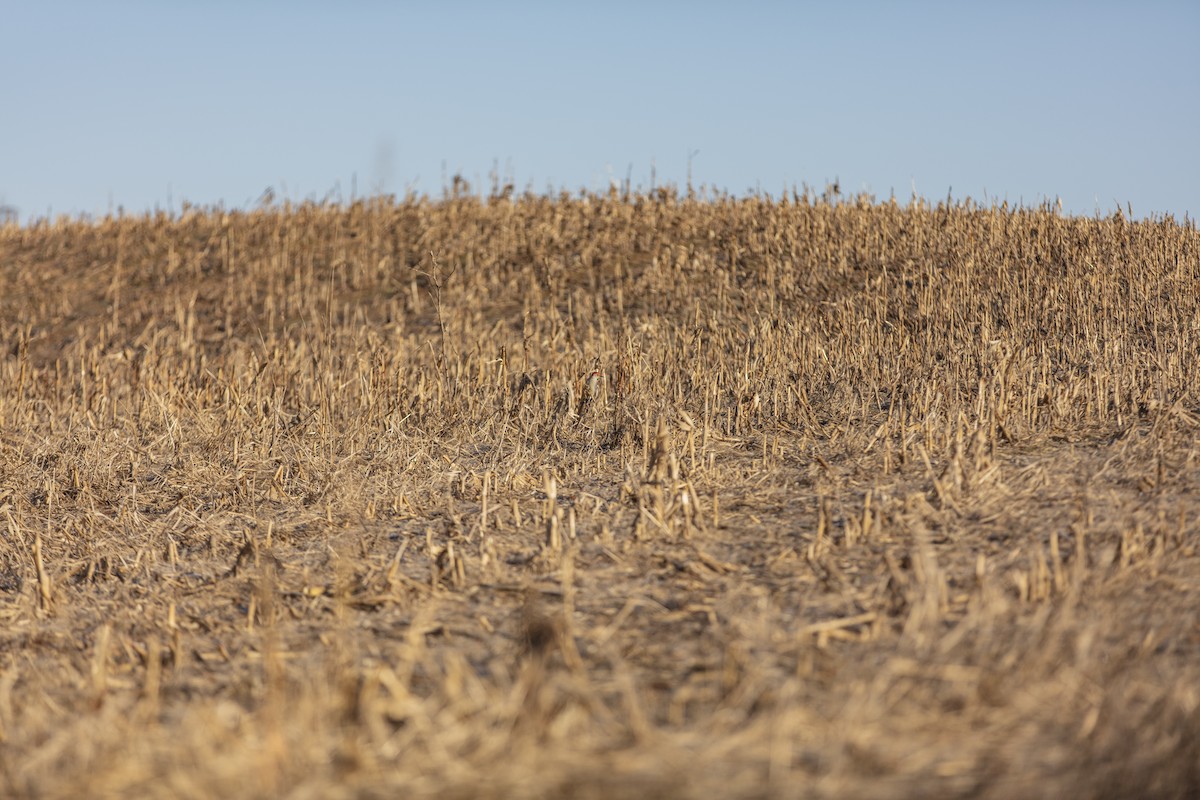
(869, 501)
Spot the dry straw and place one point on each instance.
(600, 495)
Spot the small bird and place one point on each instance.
(593, 383)
(590, 390)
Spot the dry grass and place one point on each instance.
(869, 501)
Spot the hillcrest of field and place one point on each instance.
(600, 496)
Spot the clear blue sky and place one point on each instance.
(141, 104)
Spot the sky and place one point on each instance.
(145, 105)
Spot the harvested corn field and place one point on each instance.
(597, 496)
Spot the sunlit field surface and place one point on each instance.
(600, 496)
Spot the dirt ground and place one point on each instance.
(861, 501)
